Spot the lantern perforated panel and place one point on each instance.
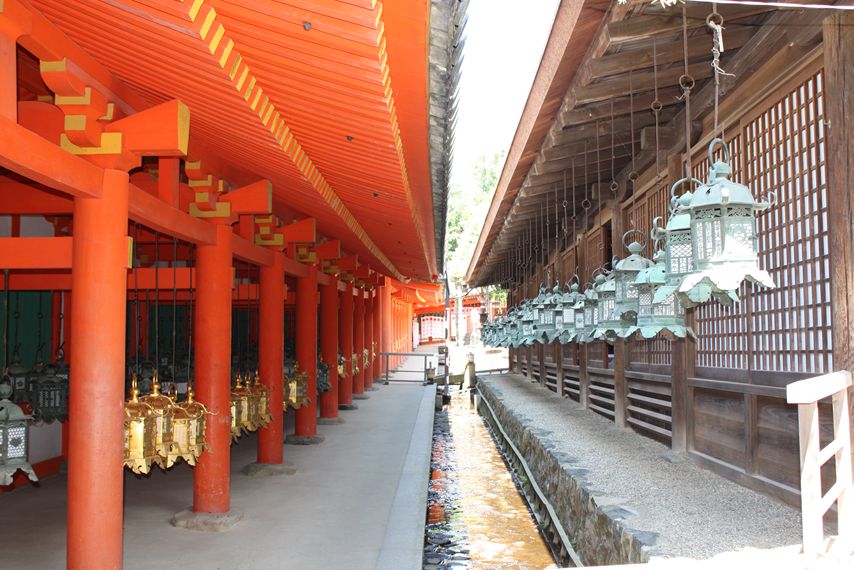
(17, 448)
(780, 149)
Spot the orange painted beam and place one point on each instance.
(35, 253)
(328, 250)
(30, 155)
(245, 250)
(303, 231)
(255, 198)
(24, 199)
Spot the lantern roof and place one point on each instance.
(10, 411)
(634, 261)
(721, 191)
(654, 274)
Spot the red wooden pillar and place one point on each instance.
(270, 356)
(212, 329)
(95, 464)
(345, 388)
(359, 342)
(329, 346)
(8, 77)
(378, 319)
(369, 341)
(306, 417)
(386, 325)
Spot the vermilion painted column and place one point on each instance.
(96, 406)
(345, 388)
(329, 345)
(386, 325)
(359, 341)
(377, 322)
(369, 339)
(8, 77)
(212, 329)
(306, 332)
(270, 356)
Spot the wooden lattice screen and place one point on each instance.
(781, 150)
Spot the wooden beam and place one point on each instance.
(642, 81)
(35, 252)
(670, 22)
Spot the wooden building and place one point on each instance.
(259, 174)
(602, 138)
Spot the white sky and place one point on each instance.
(504, 45)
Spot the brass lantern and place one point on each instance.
(723, 235)
(366, 359)
(181, 422)
(342, 369)
(659, 309)
(260, 402)
(296, 388)
(14, 437)
(140, 433)
(163, 409)
(241, 420)
(355, 364)
(198, 425)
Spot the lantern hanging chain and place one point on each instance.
(5, 321)
(16, 347)
(39, 343)
(157, 301)
(557, 246)
(686, 83)
(174, 305)
(715, 22)
(138, 317)
(258, 318)
(656, 106)
(191, 325)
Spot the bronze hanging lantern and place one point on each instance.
(572, 309)
(723, 235)
(163, 409)
(608, 324)
(659, 309)
(197, 427)
(625, 273)
(14, 437)
(49, 395)
(140, 433)
(240, 417)
(261, 402)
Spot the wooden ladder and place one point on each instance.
(807, 394)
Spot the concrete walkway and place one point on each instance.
(357, 501)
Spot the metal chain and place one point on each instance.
(192, 266)
(686, 82)
(157, 301)
(174, 305)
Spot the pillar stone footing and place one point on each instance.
(294, 439)
(371, 389)
(330, 421)
(348, 406)
(207, 522)
(269, 469)
(361, 397)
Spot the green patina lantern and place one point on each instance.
(19, 375)
(571, 308)
(513, 328)
(14, 437)
(625, 272)
(529, 316)
(547, 323)
(609, 324)
(723, 235)
(659, 309)
(49, 394)
(590, 311)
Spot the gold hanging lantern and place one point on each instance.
(240, 418)
(342, 369)
(181, 421)
(296, 388)
(163, 409)
(366, 358)
(355, 360)
(198, 414)
(260, 403)
(140, 433)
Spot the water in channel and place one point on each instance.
(476, 517)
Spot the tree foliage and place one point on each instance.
(467, 208)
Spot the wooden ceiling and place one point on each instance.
(604, 127)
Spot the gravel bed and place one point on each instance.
(692, 512)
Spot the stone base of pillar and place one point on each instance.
(206, 522)
(330, 421)
(348, 407)
(361, 397)
(294, 439)
(371, 389)
(268, 469)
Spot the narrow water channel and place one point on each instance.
(476, 517)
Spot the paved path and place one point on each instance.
(357, 501)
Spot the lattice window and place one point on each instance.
(788, 328)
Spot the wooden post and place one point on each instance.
(620, 388)
(329, 345)
(8, 77)
(270, 356)
(678, 396)
(541, 352)
(839, 109)
(583, 376)
(99, 288)
(557, 352)
(306, 349)
(359, 342)
(345, 386)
